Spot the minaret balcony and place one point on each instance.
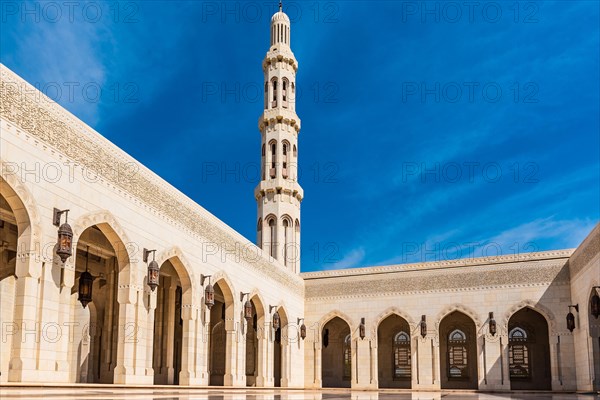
(279, 115)
(279, 184)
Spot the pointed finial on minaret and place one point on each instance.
(280, 6)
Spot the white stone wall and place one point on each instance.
(474, 287)
(40, 137)
(584, 267)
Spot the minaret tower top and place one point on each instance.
(278, 195)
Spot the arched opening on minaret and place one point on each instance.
(274, 96)
(273, 168)
(286, 158)
(284, 88)
(287, 240)
(259, 239)
(272, 223)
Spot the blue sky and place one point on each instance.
(430, 130)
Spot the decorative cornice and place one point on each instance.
(34, 113)
(536, 273)
(463, 262)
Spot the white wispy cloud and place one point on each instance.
(352, 259)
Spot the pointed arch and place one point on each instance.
(336, 313)
(259, 302)
(393, 311)
(222, 279)
(23, 205)
(115, 234)
(184, 271)
(535, 306)
(460, 308)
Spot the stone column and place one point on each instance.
(68, 327)
(374, 381)
(262, 357)
(24, 358)
(187, 376)
(150, 338)
(170, 334)
(318, 365)
(554, 364)
(124, 372)
(363, 361)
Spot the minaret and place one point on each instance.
(279, 195)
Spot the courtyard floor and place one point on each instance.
(107, 392)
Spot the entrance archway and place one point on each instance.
(280, 348)
(594, 323)
(221, 321)
(168, 326)
(394, 353)
(11, 229)
(528, 351)
(254, 344)
(94, 350)
(458, 347)
(336, 354)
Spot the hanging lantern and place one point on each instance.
(571, 317)
(595, 304)
(86, 280)
(570, 321)
(326, 338)
(248, 310)
(153, 275)
(362, 329)
(65, 236)
(153, 270)
(303, 331)
(492, 324)
(423, 325)
(276, 320)
(209, 296)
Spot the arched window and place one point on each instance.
(286, 240)
(284, 87)
(518, 354)
(266, 95)
(347, 357)
(285, 147)
(259, 233)
(273, 236)
(457, 355)
(401, 354)
(295, 152)
(273, 159)
(274, 93)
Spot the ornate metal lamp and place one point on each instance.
(595, 302)
(423, 326)
(302, 328)
(492, 324)
(276, 319)
(86, 280)
(209, 292)
(362, 329)
(248, 309)
(65, 235)
(153, 269)
(571, 317)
